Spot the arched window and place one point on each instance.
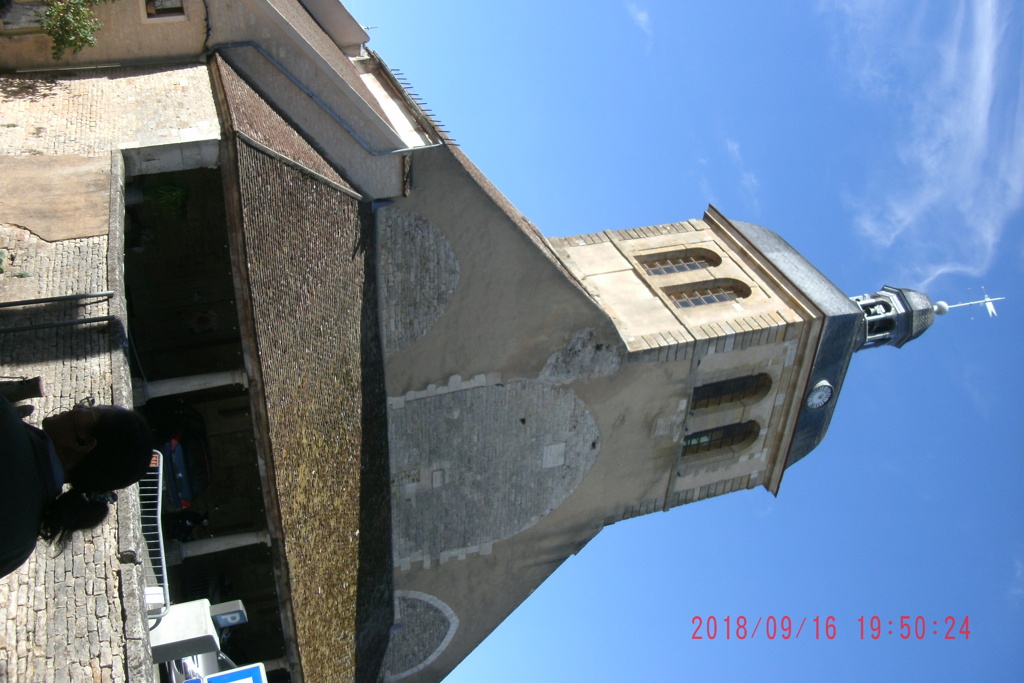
(731, 391)
(739, 433)
(679, 261)
(711, 292)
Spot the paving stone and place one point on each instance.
(61, 617)
(64, 610)
(41, 595)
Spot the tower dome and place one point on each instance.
(893, 316)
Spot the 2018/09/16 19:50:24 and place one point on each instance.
(785, 628)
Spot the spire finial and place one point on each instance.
(941, 308)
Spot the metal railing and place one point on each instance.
(58, 323)
(155, 565)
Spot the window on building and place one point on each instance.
(703, 293)
(720, 437)
(880, 326)
(679, 261)
(21, 16)
(156, 9)
(731, 391)
(699, 297)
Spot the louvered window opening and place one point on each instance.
(675, 264)
(700, 297)
(729, 391)
(719, 437)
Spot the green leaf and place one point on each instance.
(71, 24)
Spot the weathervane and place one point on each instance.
(941, 307)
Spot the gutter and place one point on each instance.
(313, 96)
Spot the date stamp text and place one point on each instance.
(820, 627)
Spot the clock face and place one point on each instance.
(819, 395)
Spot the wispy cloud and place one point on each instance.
(865, 26)
(980, 400)
(641, 17)
(959, 167)
(748, 181)
(1017, 583)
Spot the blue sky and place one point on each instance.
(885, 140)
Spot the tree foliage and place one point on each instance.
(71, 24)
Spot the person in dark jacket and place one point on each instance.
(94, 449)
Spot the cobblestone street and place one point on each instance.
(63, 612)
(63, 615)
(90, 113)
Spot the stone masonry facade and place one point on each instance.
(68, 616)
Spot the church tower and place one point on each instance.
(540, 390)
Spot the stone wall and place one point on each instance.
(488, 460)
(419, 273)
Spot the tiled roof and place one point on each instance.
(253, 116)
(842, 327)
(303, 255)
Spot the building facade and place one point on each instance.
(430, 385)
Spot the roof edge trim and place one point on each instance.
(296, 165)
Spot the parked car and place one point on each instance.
(180, 432)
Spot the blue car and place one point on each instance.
(180, 432)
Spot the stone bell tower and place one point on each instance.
(540, 390)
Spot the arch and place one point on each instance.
(738, 434)
(410, 306)
(708, 292)
(424, 626)
(442, 447)
(679, 261)
(749, 388)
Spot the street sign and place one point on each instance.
(251, 673)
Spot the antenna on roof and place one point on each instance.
(941, 308)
